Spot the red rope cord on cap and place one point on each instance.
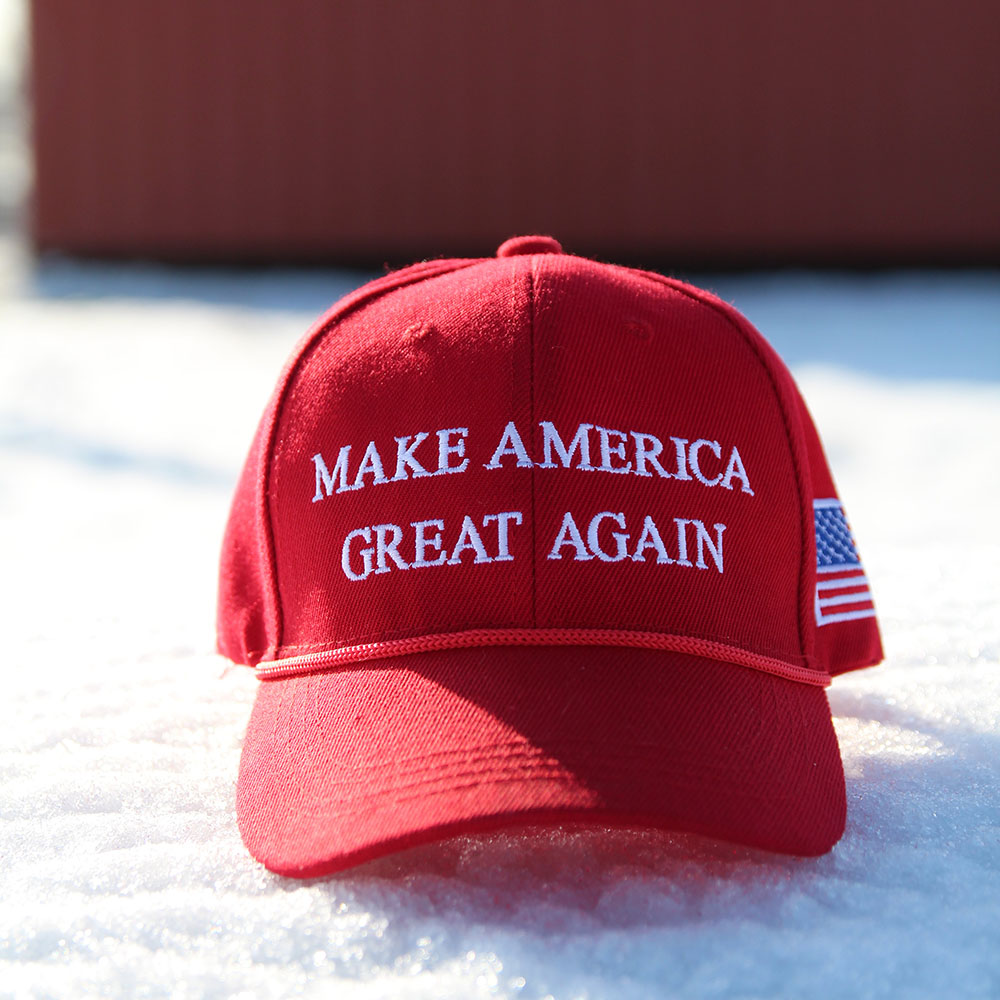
(346, 656)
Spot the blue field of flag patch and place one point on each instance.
(834, 544)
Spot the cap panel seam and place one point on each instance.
(323, 325)
(531, 424)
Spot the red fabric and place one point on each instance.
(492, 521)
(248, 621)
(345, 766)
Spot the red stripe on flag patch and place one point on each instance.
(842, 596)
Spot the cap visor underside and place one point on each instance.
(345, 766)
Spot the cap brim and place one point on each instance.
(349, 765)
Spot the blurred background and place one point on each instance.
(708, 141)
(361, 132)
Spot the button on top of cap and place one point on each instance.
(518, 246)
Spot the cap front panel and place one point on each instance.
(665, 495)
(540, 443)
(386, 522)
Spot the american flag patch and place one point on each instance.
(842, 593)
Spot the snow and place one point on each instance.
(128, 396)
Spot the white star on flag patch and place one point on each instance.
(842, 593)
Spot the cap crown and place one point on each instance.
(539, 448)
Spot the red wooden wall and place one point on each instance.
(369, 130)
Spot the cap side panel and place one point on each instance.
(698, 533)
(847, 634)
(243, 624)
(343, 308)
(849, 640)
(787, 395)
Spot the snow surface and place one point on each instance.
(127, 399)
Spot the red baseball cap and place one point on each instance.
(537, 538)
